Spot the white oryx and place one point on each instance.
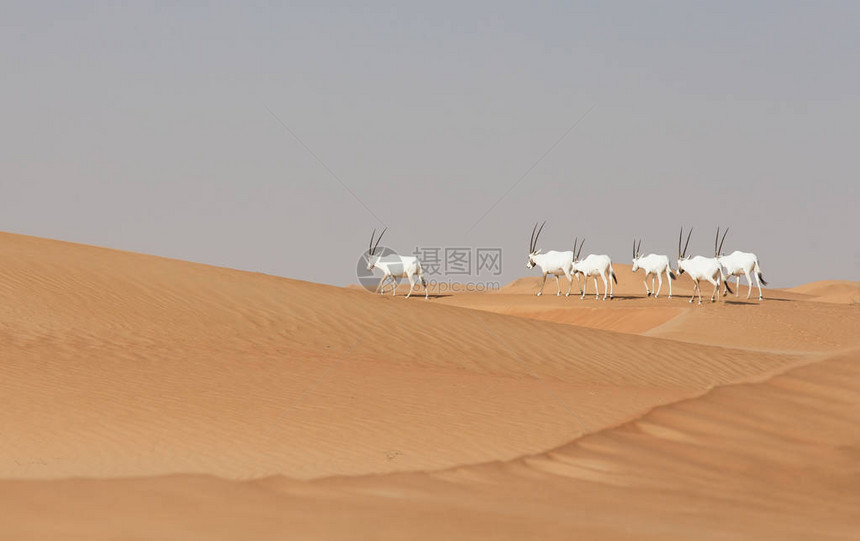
(701, 268)
(595, 265)
(552, 262)
(393, 267)
(742, 263)
(654, 266)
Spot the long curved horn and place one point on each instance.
(532, 239)
(575, 242)
(581, 244)
(726, 232)
(684, 254)
(716, 241)
(375, 246)
(639, 248)
(537, 236)
(680, 236)
(370, 246)
(634, 248)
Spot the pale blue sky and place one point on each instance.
(147, 128)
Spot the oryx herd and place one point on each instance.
(716, 270)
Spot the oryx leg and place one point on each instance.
(411, 284)
(539, 293)
(606, 286)
(659, 285)
(717, 284)
(695, 287)
(669, 278)
(583, 288)
(758, 282)
(596, 289)
(393, 284)
(382, 281)
(749, 281)
(569, 282)
(423, 281)
(557, 286)
(611, 286)
(738, 285)
(647, 291)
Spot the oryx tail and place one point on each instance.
(725, 280)
(757, 270)
(612, 273)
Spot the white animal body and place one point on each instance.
(551, 262)
(654, 266)
(394, 267)
(594, 266)
(701, 268)
(743, 263)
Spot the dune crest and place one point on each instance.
(200, 402)
(835, 291)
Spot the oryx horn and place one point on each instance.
(374, 246)
(683, 253)
(533, 242)
(722, 240)
(532, 239)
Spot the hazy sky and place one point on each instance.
(153, 128)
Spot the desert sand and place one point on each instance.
(148, 398)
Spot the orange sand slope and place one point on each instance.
(198, 402)
(771, 460)
(836, 291)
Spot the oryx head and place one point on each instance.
(372, 257)
(532, 243)
(636, 254)
(682, 254)
(718, 251)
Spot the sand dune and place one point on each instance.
(144, 366)
(200, 402)
(835, 291)
(776, 459)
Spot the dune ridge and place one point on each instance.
(834, 291)
(200, 402)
